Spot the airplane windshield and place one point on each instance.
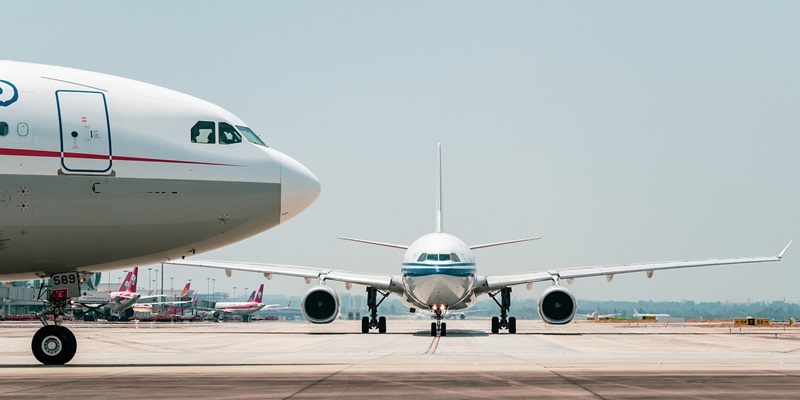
(251, 136)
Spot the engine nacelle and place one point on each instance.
(557, 306)
(320, 305)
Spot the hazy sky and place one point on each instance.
(618, 131)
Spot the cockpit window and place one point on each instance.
(203, 132)
(438, 257)
(250, 135)
(228, 135)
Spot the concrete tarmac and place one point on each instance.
(297, 360)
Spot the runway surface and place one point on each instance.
(296, 360)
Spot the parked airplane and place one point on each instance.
(636, 314)
(120, 302)
(160, 300)
(596, 316)
(439, 274)
(111, 172)
(243, 308)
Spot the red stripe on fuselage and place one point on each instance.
(57, 154)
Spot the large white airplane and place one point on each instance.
(439, 274)
(99, 172)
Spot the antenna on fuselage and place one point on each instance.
(439, 225)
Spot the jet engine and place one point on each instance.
(557, 306)
(320, 305)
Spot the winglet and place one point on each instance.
(784, 250)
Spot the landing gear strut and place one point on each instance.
(438, 326)
(373, 322)
(53, 344)
(504, 322)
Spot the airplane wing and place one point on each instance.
(495, 282)
(380, 281)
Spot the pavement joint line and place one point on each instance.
(578, 384)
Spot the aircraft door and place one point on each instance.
(85, 132)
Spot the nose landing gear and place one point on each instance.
(438, 326)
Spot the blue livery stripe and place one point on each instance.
(437, 270)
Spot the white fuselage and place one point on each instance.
(99, 172)
(119, 301)
(239, 308)
(438, 271)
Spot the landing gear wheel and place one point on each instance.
(495, 325)
(54, 345)
(512, 325)
(373, 303)
(433, 328)
(444, 329)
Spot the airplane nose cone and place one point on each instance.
(299, 188)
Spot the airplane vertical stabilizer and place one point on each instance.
(439, 223)
(259, 294)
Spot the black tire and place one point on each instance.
(495, 325)
(365, 325)
(444, 329)
(54, 345)
(433, 328)
(382, 325)
(512, 325)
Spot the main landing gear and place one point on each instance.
(438, 326)
(373, 322)
(54, 344)
(504, 322)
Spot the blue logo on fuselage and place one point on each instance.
(8, 93)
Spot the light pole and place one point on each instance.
(150, 277)
(234, 293)
(214, 288)
(155, 286)
(246, 292)
(171, 278)
(208, 287)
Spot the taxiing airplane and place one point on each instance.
(638, 315)
(439, 274)
(99, 172)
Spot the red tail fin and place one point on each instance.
(185, 291)
(259, 294)
(129, 284)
